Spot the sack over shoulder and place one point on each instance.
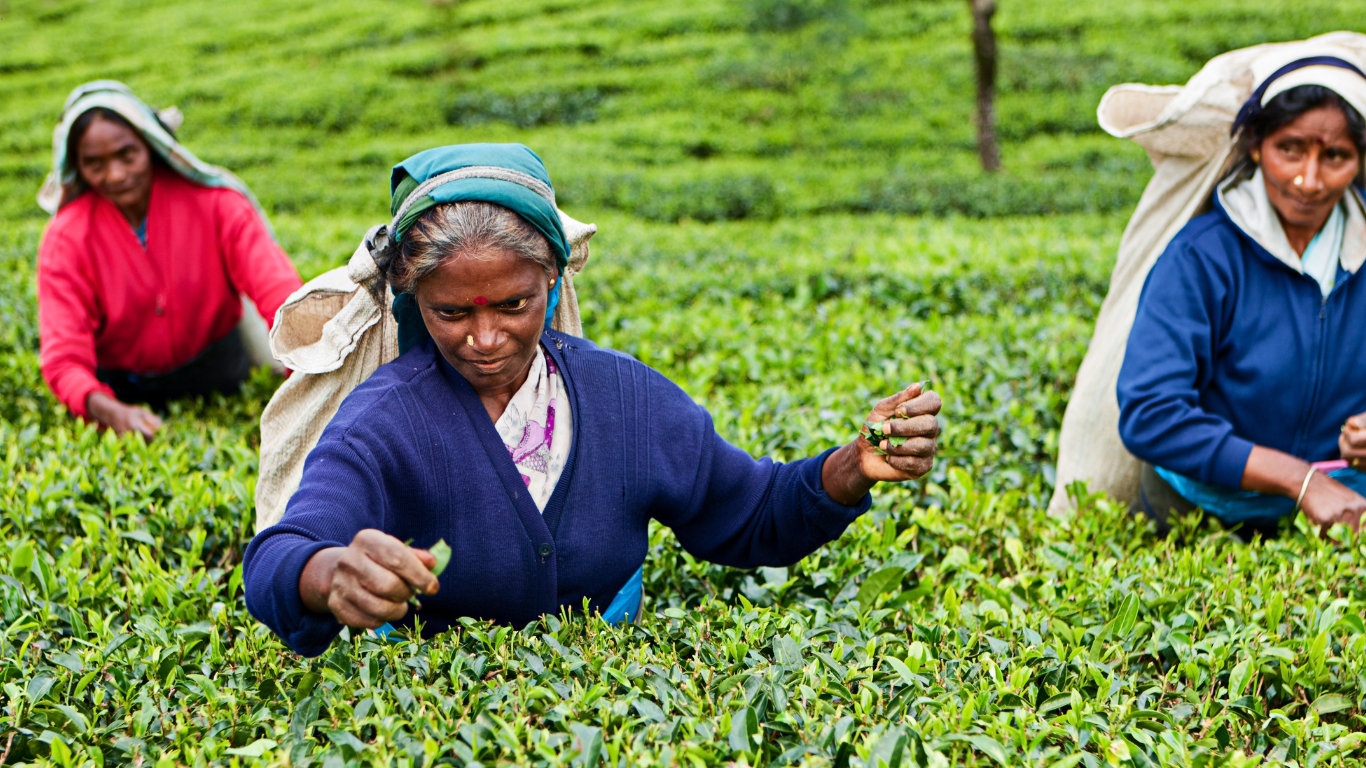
(1185, 131)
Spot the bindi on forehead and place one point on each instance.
(480, 300)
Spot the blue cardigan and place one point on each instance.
(412, 452)
(1231, 348)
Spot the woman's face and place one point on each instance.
(115, 161)
(1308, 165)
(486, 316)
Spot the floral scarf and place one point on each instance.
(537, 428)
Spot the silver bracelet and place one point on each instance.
(1304, 487)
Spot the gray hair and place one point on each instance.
(464, 229)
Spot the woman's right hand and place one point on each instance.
(122, 417)
(369, 582)
(1326, 501)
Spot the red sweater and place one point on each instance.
(105, 301)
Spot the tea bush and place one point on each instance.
(751, 166)
(526, 110)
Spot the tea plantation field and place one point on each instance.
(791, 223)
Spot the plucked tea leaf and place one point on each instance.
(442, 552)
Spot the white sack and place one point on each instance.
(1185, 131)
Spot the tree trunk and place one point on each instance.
(984, 51)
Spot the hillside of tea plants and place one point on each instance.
(792, 223)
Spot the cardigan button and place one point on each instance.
(546, 550)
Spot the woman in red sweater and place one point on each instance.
(142, 269)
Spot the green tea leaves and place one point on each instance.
(1238, 679)
(305, 686)
(878, 584)
(902, 670)
(744, 730)
(1127, 616)
(1329, 703)
(257, 748)
(956, 623)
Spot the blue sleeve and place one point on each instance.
(1169, 360)
(338, 497)
(724, 505)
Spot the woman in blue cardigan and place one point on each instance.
(538, 456)
(1245, 362)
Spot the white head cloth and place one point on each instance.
(1344, 82)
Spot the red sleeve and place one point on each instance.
(68, 316)
(257, 265)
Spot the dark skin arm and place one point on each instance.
(369, 582)
(1326, 501)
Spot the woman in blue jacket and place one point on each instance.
(538, 456)
(1247, 358)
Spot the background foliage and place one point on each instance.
(792, 223)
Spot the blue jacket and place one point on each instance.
(1231, 348)
(412, 452)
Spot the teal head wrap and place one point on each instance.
(509, 175)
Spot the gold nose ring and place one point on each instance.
(1299, 181)
(470, 340)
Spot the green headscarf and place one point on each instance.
(509, 175)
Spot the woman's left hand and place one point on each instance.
(1352, 441)
(910, 416)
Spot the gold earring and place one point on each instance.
(470, 340)
(552, 282)
(1299, 181)
(1257, 158)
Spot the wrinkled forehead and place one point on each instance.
(494, 274)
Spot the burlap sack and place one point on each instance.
(333, 333)
(1185, 131)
